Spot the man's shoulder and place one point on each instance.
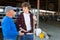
(31, 13)
(20, 14)
(4, 20)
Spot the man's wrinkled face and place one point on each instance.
(12, 12)
(25, 9)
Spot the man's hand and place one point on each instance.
(20, 33)
(22, 30)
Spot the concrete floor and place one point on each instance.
(51, 27)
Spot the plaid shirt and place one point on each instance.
(20, 22)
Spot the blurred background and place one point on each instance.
(49, 15)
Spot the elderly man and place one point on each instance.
(8, 27)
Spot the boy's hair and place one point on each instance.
(26, 4)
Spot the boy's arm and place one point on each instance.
(34, 21)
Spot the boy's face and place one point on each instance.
(25, 9)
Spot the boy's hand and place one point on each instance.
(20, 33)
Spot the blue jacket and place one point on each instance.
(8, 28)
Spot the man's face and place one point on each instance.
(25, 9)
(12, 12)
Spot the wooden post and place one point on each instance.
(38, 6)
